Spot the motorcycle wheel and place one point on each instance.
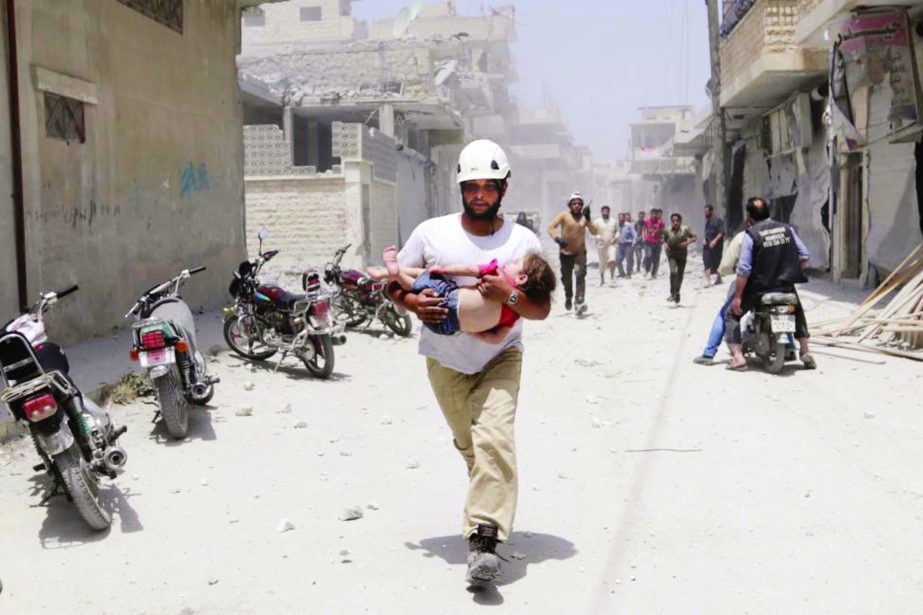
(321, 364)
(173, 406)
(349, 311)
(83, 487)
(243, 344)
(397, 322)
(776, 357)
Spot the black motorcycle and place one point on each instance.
(361, 299)
(267, 319)
(75, 439)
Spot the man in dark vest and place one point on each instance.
(772, 259)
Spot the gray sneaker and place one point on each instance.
(483, 561)
(704, 360)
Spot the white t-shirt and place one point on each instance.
(443, 241)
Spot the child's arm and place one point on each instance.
(471, 271)
(495, 335)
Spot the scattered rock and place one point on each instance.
(249, 386)
(384, 336)
(528, 535)
(213, 581)
(135, 477)
(344, 555)
(300, 425)
(372, 506)
(284, 526)
(345, 454)
(869, 415)
(244, 411)
(204, 482)
(592, 400)
(518, 555)
(587, 362)
(562, 475)
(386, 420)
(413, 464)
(351, 514)
(286, 409)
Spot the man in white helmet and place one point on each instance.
(568, 229)
(477, 383)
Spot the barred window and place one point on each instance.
(311, 13)
(167, 12)
(64, 118)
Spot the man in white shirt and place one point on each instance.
(476, 383)
(605, 231)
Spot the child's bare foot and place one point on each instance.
(377, 273)
(389, 256)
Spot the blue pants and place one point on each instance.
(717, 327)
(446, 289)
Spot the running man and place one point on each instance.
(568, 229)
(677, 238)
(476, 383)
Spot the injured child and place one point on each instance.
(469, 312)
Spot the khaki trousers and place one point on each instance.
(481, 411)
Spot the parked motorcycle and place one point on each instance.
(767, 330)
(361, 299)
(267, 319)
(75, 439)
(164, 343)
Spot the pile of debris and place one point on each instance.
(895, 328)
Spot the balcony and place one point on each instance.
(761, 62)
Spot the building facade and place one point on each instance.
(126, 165)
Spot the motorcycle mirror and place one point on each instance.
(264, 233)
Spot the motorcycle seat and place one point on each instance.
(779, 299)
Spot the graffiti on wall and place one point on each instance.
(193, 178)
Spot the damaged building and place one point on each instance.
(822, 101)
(121, 160)
(352, 129)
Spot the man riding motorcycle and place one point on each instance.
(772, 259)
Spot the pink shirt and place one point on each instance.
(653, 230)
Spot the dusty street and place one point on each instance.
(647, 484)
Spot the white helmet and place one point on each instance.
(575, 196)
(483, 159)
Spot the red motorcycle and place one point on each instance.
(267, 319)
(361, 299)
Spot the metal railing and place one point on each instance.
(734, 11)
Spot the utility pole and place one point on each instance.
(719, 127)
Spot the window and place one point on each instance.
(254, 17)
(311, 13)
(64, 118)
(167, 12)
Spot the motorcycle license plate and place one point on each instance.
(783, 323)
(152, 358)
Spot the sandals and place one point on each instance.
(736, 368)
(808, 361)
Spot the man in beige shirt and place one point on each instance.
(568, 229)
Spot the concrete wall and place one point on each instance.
(9, 301)
(413, 207)
(158, 184)
(306, 217)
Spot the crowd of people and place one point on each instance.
(626, 246)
